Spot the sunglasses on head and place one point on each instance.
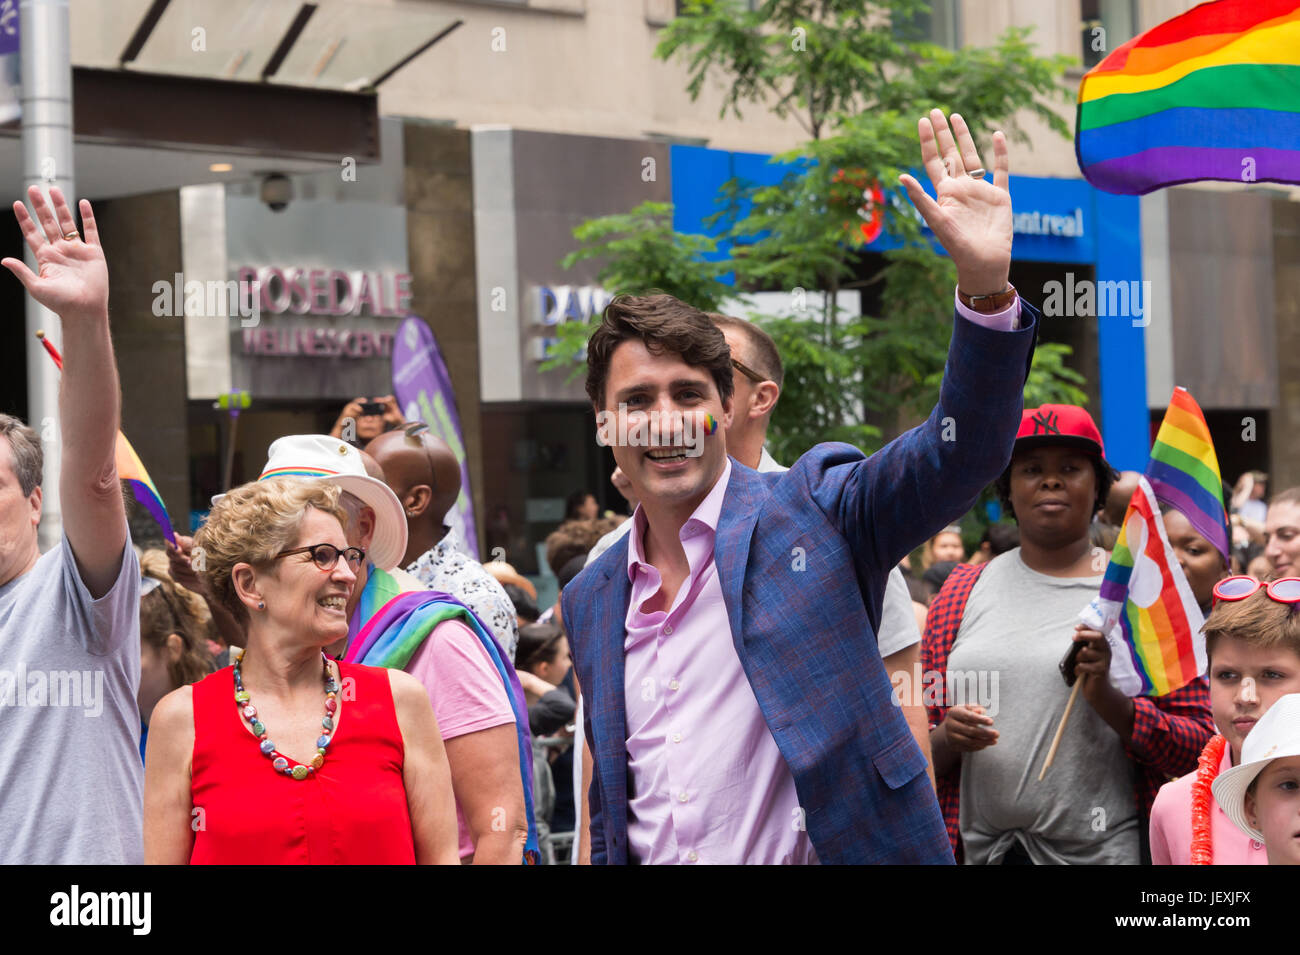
(1285, 590)
(748, 372)
(326, 556)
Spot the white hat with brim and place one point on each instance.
(320, 457)
(1275, 736)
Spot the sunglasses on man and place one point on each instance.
(748, 372)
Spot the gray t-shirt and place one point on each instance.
(71, 780)
(1016, 627)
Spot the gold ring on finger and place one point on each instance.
(72, 235)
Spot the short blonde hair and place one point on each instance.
(254, 523)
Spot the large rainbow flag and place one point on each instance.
(1146, 607)
(1211, 94)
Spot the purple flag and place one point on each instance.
(423, 391)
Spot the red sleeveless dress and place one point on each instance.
(351, 812)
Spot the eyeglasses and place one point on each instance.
(1284, 590)
(326, 556)
(749, 373)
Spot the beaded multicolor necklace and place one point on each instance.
(279, 762)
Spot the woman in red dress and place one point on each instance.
(288, 756)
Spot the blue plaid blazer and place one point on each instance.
(802, 558)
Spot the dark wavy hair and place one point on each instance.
(666, 325)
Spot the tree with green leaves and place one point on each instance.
(855, 77)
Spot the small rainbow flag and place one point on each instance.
(1211, 94)
(1184, 471)
(1146, 607)
(131, 470)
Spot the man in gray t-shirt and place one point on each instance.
(71, 782)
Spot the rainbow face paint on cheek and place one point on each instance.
(710, 423)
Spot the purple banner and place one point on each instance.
(8, 27)
(10, 63)
(423, 391)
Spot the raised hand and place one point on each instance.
(972, 217)
(72, 277)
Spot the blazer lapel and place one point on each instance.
(611, 595)
(731, 545)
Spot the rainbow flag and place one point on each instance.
(1146, 607)
(1184, 471)
(131, 470)
(1211, 94)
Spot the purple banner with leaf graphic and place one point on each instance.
(423, 391)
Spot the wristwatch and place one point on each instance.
(994, 302)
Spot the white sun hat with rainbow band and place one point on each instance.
(321, 457)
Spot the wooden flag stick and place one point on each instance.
(1056, 741)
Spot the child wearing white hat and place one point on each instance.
(1261, 794)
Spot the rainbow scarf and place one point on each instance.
(131, 470)
(1184, 471)
(389, 626)
(1211, 94)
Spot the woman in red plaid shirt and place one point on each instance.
(996, 633)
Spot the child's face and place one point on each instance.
(1244, 682)
(1274, 809)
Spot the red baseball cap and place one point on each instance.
(1067, 425)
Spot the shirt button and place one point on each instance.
(1256, 844)
(682, 797)
(668, 629)
(693, 856)
(673, 684)
(677, 737)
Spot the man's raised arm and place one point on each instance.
(934, 473)
(72, 281)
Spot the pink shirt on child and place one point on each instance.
(465, 689)
(1171, 827)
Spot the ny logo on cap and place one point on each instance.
(1046, 422)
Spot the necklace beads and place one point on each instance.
(279, 762)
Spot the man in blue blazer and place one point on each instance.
(736, 706)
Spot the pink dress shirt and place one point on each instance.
(1171, 827)
(707, 782)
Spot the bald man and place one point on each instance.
(425, 475)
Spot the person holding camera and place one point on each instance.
(364, 419)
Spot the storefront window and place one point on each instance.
(940, 25)
(1106, 25)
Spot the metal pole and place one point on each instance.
(47, 161)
